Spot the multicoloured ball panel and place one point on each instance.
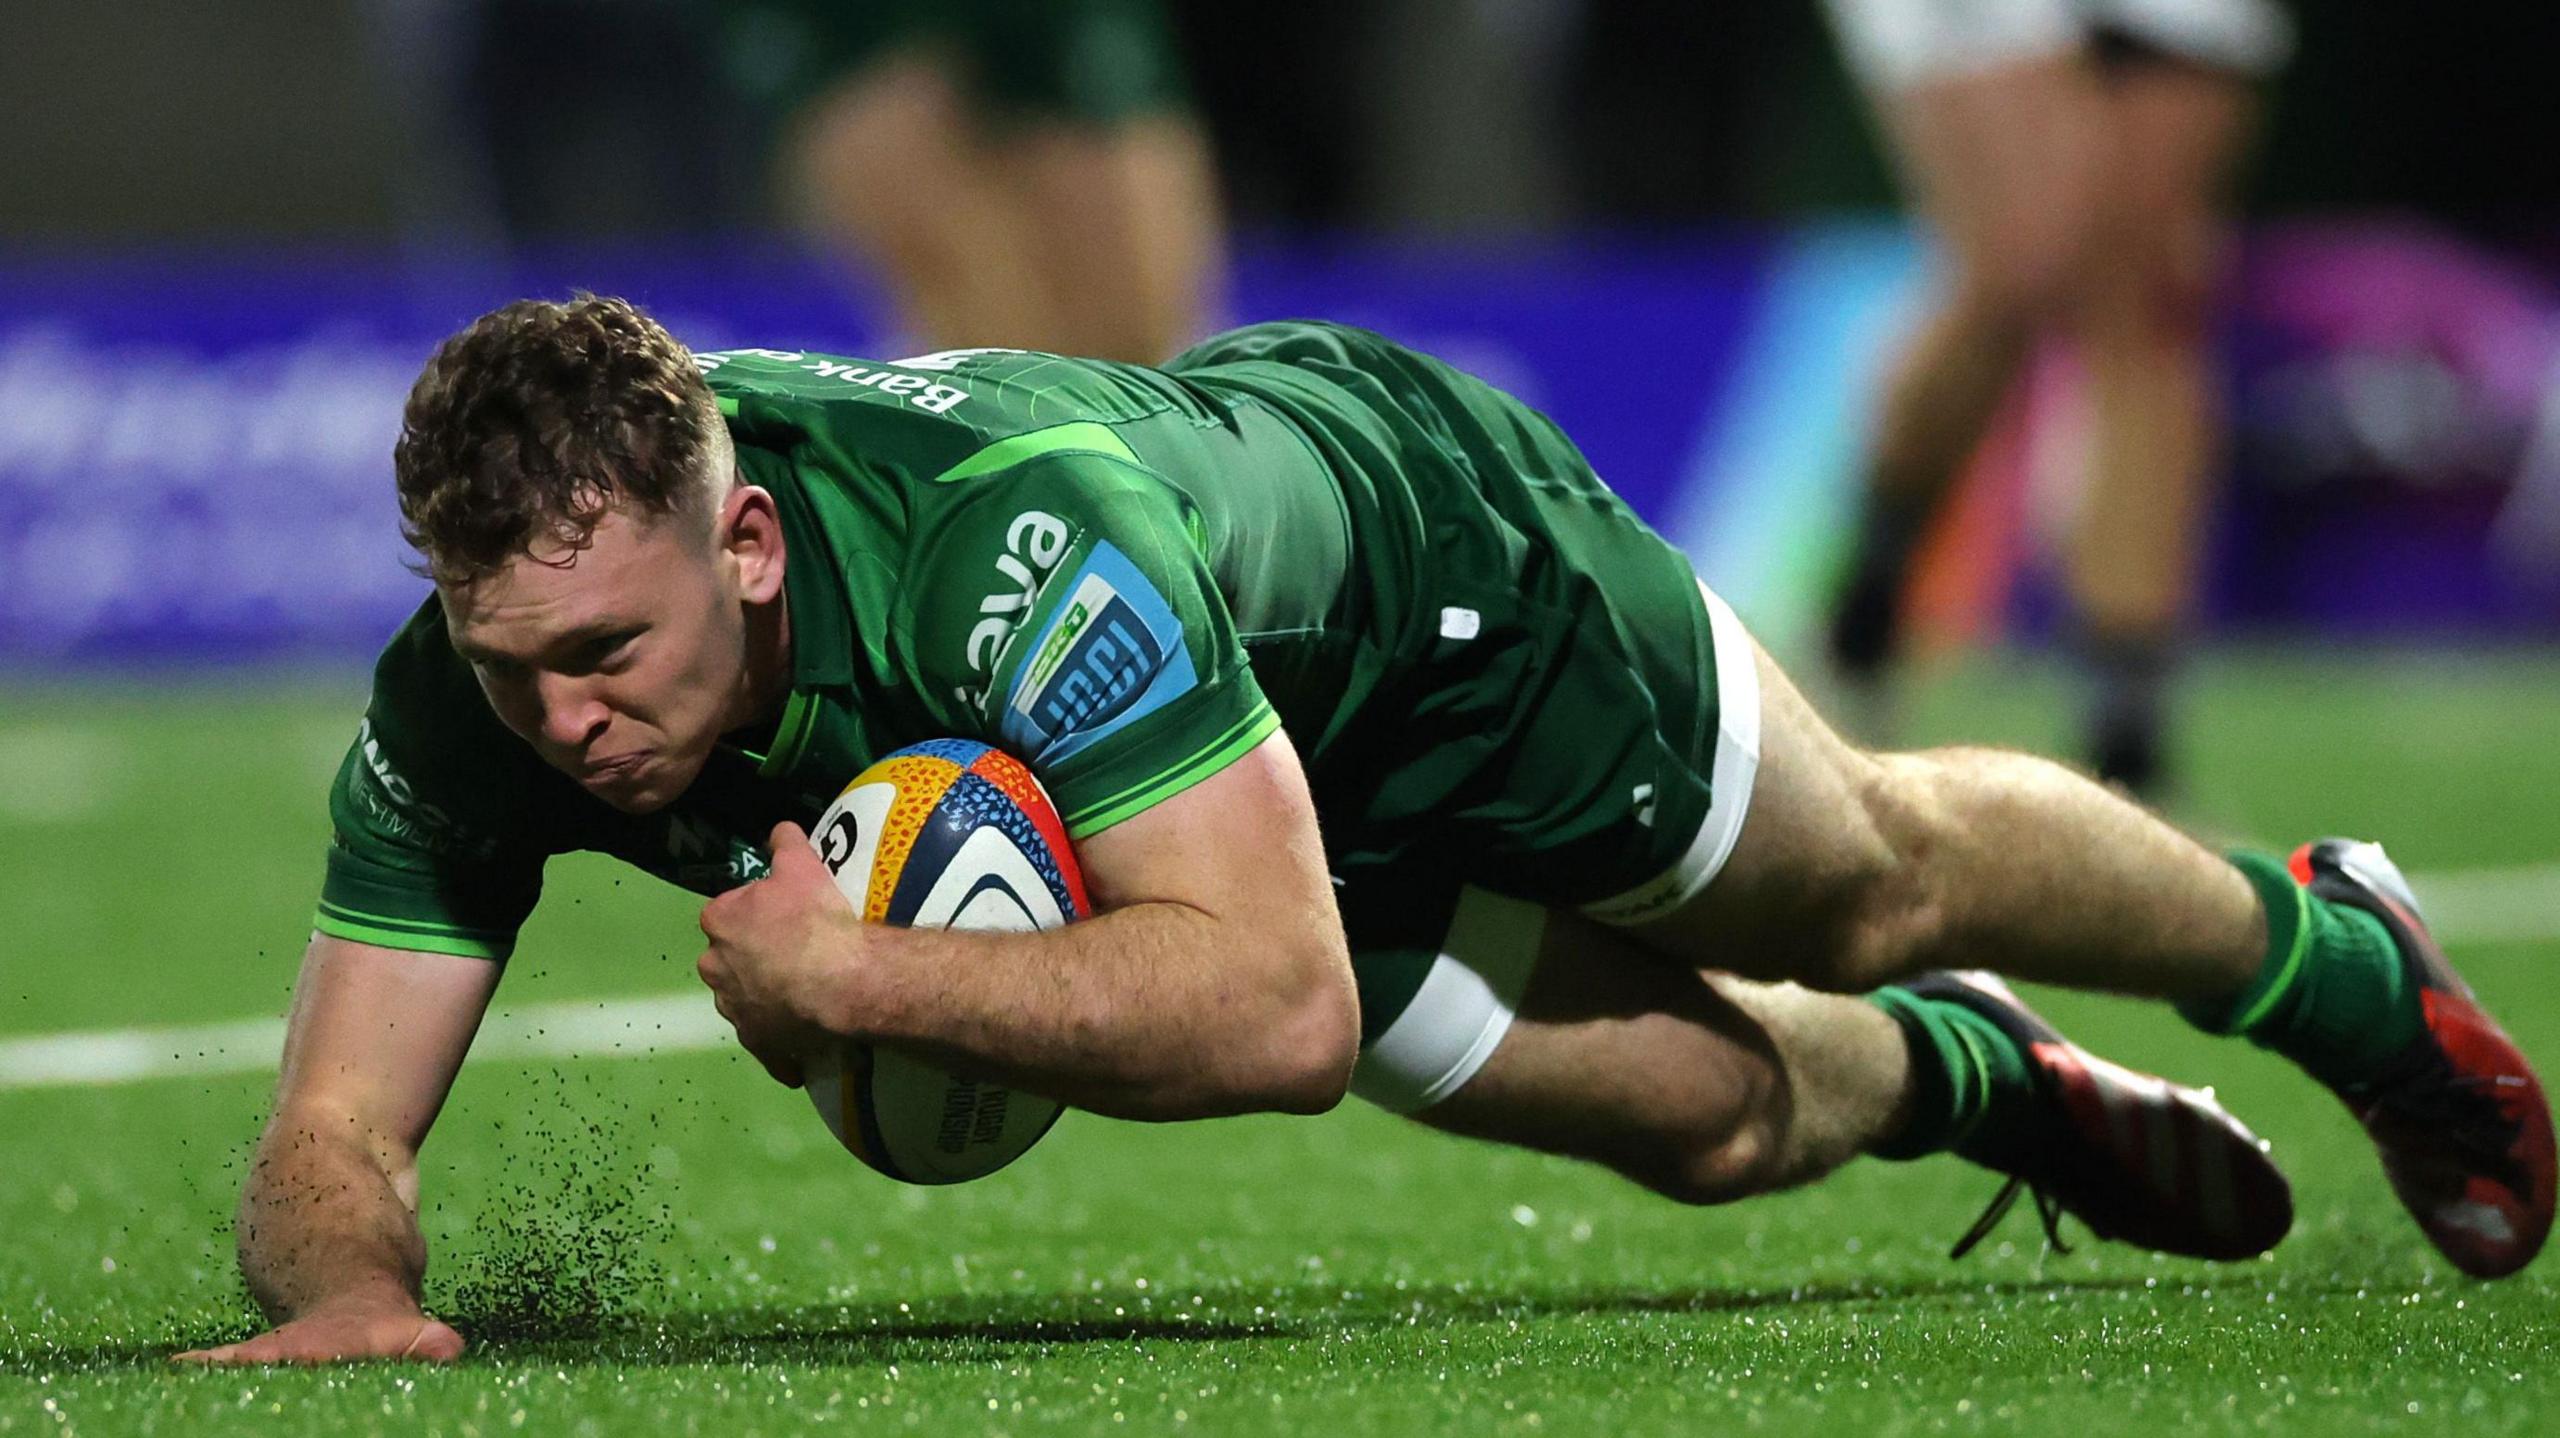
(946, 834)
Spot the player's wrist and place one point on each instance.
(849, 994)
(372, 1298)
(919, 988)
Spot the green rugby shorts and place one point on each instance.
(1442, 960)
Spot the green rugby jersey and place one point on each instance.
(1128, 578)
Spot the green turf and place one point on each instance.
(674, 1246)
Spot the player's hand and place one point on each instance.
(400, 1335)
(779, 948)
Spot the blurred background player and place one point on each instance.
(1024, 173)
(2072, 156)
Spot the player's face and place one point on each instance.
(623, 662)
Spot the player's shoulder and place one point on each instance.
(946, 404)
(958, 441)
(922, 383)
(1020, 502)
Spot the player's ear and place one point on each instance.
(749, 532)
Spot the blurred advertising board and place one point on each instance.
(195, 448)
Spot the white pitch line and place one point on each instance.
(52, 774)
(2464, 906)
(2490, 906)
(590, 1028)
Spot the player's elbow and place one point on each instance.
(1316, 1040)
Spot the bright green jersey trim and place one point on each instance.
(338, 925)
(1211, 757)
(1083, 434)
(727, 404)
(799, 717)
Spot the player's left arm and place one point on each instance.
(1214, 977)
(1212, 980)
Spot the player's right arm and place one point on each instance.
(435, 860)
(328, 1222)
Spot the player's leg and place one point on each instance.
(2001, 165)
(2143, 326)
(888, 164)
(1855, 870)
(1085, 121)
(1700, 1087)
(1127, 213)
(1550, 1031)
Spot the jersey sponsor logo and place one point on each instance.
(925, 394)
(945, 361)
(708, 859)
(392, 803)
(1034, 541)
(387, 775)
(709, 360)
(1110, 654)
(1093, 662)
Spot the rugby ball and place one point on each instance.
(950, 834)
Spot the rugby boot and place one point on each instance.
(2138, 1159)
(2461, 1121)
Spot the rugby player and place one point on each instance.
(2072, 158)
(1400, 757)
(1020, 172)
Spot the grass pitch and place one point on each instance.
(673, 1245)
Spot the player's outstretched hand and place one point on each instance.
(778, 946)
(364, 1335)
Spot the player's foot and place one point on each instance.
(2137, 1158)
(2126, 751)
(2464, 1129)
(1862, 643)
(1865, 624)
(2129, 675)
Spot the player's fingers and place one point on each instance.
(794, 855)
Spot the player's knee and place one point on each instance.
(2023, 273)
(2177, 283)
(2022, 298)
(2158, 276)
(1883, 917)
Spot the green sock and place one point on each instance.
(1971, 1085)
(2332, 994)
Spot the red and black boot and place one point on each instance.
(2139, 1159)
(2461, 1120)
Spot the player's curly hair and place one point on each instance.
(532, 423)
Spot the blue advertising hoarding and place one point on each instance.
(195, 449)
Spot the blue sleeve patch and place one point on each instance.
(1111, 654)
